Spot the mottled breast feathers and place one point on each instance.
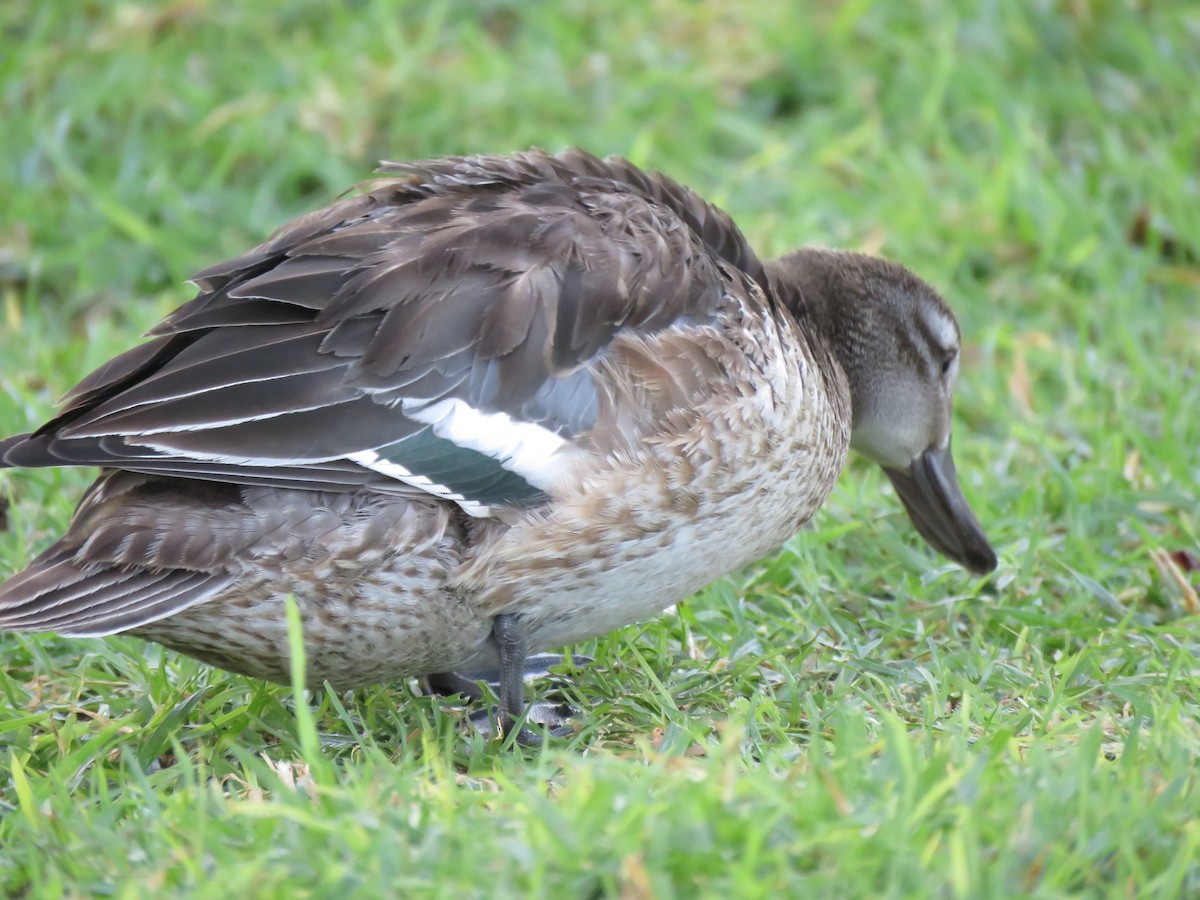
(439, 331)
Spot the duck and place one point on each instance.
(485, 408)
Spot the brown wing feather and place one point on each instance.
(487, 278)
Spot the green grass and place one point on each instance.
(852, 717)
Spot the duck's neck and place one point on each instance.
(813, 285)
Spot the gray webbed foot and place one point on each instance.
(508, 682)
(553, 719)
(452, 684)
(466, 682)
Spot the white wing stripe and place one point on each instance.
(372, 460)
(521, 447)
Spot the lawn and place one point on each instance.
(851, 717)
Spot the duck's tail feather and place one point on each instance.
(11, 443)
(57, 593)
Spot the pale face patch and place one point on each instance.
(908, 411)
(943, 328)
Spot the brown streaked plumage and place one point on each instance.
(493, 405)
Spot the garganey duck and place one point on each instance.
(492, 406)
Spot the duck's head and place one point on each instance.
(898, 344)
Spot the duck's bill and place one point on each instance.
(937, 507)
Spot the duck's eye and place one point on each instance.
(948, 360)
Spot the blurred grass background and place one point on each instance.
(852, 717)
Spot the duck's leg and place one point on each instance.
(508, 680)
(510, 642)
